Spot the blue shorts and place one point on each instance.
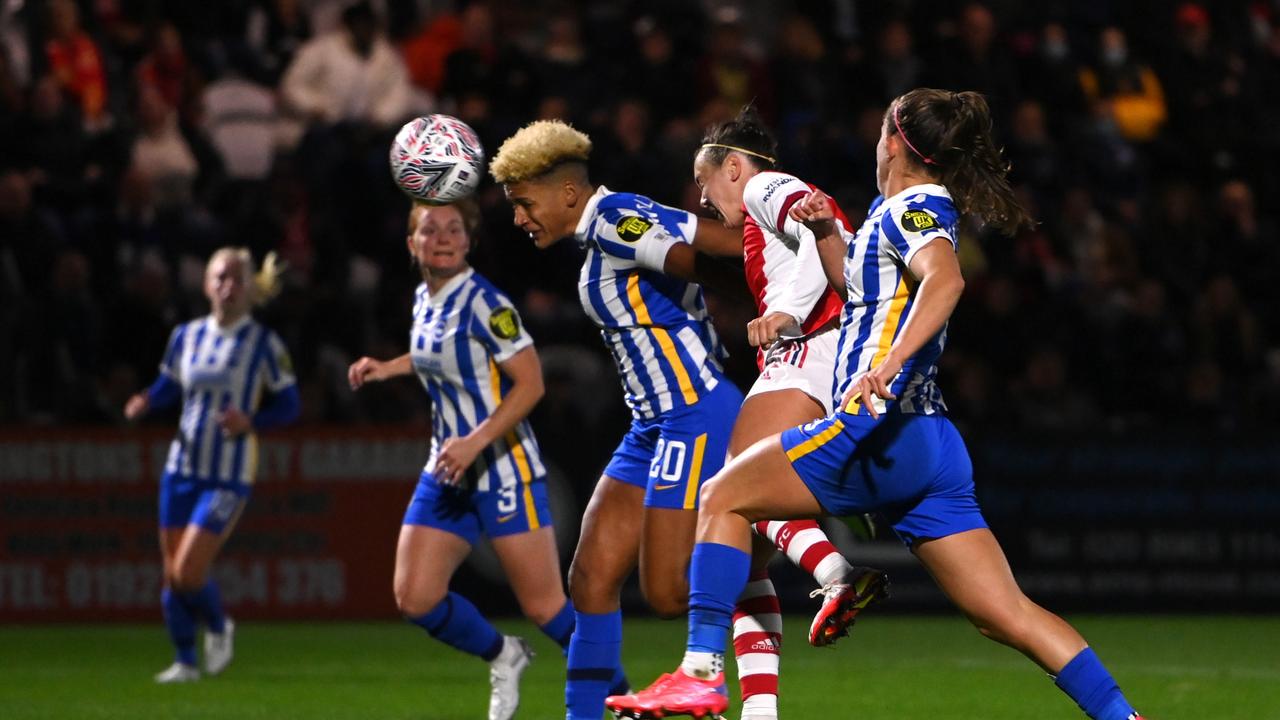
(211, 506)
(467, 513)
(671, 455)
(913, 469)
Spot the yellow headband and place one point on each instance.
(771, 161)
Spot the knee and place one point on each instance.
(712, 498)
(541, 610)
(413, 600)
(187, 577)
(1012, 627)
(592, 588)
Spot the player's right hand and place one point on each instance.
(137, 406)
(816, 212)
(365, 370)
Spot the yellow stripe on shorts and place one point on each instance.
(816, 441)
(695, 473)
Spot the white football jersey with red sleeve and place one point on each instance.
(783, 269)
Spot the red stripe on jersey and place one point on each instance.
(787, 204)
(829, 305)
(753, 261)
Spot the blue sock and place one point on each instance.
(595, 654)
(717, 576)
(182, 626)
(1093, 688)
(206, 603)
(560, 627)
(618, 684)
(457, 623)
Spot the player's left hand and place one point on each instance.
(764, 331)
(873, 384)
(455, 456)
(234, 422)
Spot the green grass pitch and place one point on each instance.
(898, 668)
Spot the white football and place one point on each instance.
(437, 159)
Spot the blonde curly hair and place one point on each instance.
(266, 282)
(537, 148)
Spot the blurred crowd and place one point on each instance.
(138, 135)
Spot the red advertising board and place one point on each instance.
(78, 538)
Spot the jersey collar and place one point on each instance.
(455, 282)
(583, 231)
(232, 329)
(926, 189)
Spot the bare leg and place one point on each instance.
(972, 570)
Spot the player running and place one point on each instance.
(485, 472)
(796, 331)
(217, 367)
(889, 446)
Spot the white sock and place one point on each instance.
(833, 568)
(760, 707)
(702, 665)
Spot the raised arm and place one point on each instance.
(818, 214)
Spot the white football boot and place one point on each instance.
(504, 677)
(178, 673)
(219, 648)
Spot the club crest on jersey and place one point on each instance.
(504, 323)
(918, 221)
(632, 228)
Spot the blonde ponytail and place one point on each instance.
(266, 282)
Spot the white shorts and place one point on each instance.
(807, 364)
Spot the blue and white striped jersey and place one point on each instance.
(656, 326)
(460, 334)
(220, 368)
(881, 291)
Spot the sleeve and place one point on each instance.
(769, 204)
(280, 409)
(171, 363)
(907, 228)
(644, 242)
(496, 324)
(278, 365)
(164, 393)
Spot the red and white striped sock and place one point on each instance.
(757, 642)
(806, 545)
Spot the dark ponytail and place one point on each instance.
(747, 134)
(948, 135)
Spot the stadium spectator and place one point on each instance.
(349, 75)
(75, 60)
(1126, 91)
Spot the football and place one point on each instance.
(437, 159)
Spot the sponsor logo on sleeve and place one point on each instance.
(918, 221)
(632, 228)
(504, 323)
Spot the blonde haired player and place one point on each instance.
(233, 378)
(638, 283)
